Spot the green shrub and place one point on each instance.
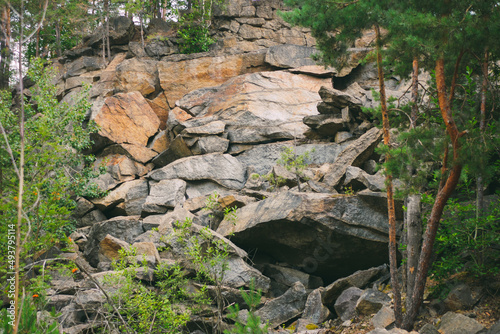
(467, 243)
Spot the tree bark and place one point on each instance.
(58, 39)
(482, 128)
(390, 196)
(5, 35)
(441, 198)
(414, 241)
(106, 10)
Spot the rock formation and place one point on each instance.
(174, 129)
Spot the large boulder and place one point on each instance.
(262, 158)
(127, 119)
(330, 236)
(359, 279)
(455, 323)
(224, 169)
(178, 78)
(121, 30)
(288, 306)
(355, 154)
(131, 194)
(123, 228)
(259, 107)
(345, 305)
(137, 75)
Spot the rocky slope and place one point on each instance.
(176, 128)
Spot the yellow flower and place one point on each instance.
(35, 296)
(74, 270)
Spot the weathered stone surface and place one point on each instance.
(355, 154)
(325, 125)
(123, 228)
(384, 317)
(212, 128)
(221, 168)
(259, 107)
(120, 32)
(179, 78)
(315, 312)
(339, 99)
(128, 192)
(137, 75)
(91, 218)
(164, 195)
(135, 49)
(161, 109)
(157, 48)
(428, 329)
(147, 251)
(359, 279)
(288, 276)
(59, 301)
(371, 301)
(120, 167)
(83, 206)
(262, 158)
(325, 235)
(290, 56)
(77, 52)
(288, 306)
(345, 305)
(158, 27)
(110, 246)
(240, 274)
(75, 82)
(495, 329)
(454, 323)
(82, 65)
(460, 298)
(177, 149)
(210, 144)
(127, 118)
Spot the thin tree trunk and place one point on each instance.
(413, 220)
(442, 197)
(482, 129)
(5, 35)
(58, 39)
(106, 10)
(142, 30)
(21, 178)
(414, 95)
(37, 46)
(390, 197)
(414, 241)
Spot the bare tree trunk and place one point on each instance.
(414, 241)
(58, 39)
(482, 127)
(413, 220)
(106, 10)
(142, 30)
(390, 196)
(5, 35)
(442, 196)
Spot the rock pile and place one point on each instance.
(174, 129)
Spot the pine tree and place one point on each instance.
(438, 35)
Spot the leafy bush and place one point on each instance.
(467, 243)
(54, 138)
(195, 38)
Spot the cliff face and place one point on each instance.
(176, 128)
